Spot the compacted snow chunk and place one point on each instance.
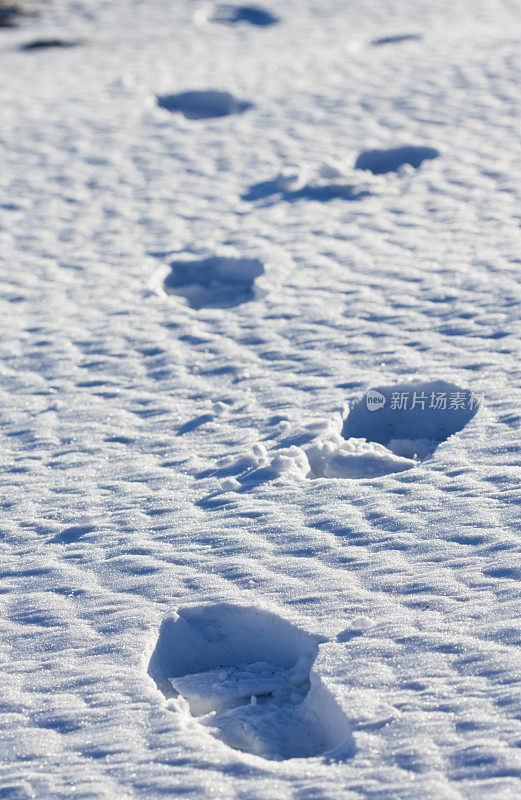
(214, 282)
(246, 676)
(356, 458)
(411, 419)
(206, 104)
(381, 161)
(254, 15)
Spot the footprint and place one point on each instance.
(205, 104)
(214, 282)
(319, 193)
(404, 37)
(293, 184)
(44, 44)
(380, 162)
(389, 430)
(254, 15)
(246, 676)
(411, 419)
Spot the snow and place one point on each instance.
(197, 303)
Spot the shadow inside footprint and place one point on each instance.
(404, 37)
(246, 676)
(228, 14)
(205, 104)
(380, 162)
(214, 282)
(411, 419)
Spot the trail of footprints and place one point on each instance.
(245, 675)
(224, 283)
(368, 445)
(212, 281)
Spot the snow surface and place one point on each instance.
(196, 300)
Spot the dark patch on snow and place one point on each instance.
(321, 193)
(214, 282)
(204, 104)
(228, 14)
(403, 37)
(11, 13)
(48, 44)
